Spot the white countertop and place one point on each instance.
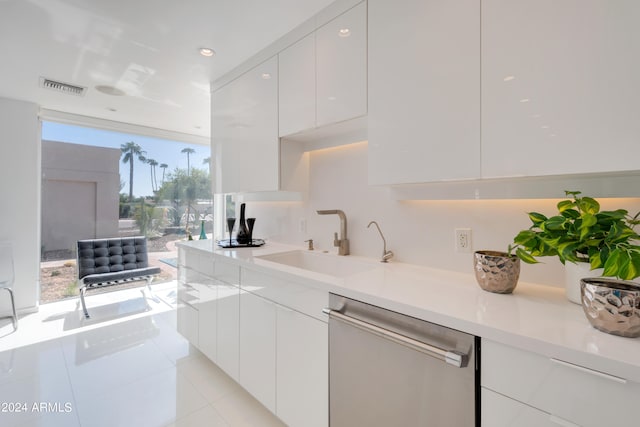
(535, 318)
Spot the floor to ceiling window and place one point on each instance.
(99, 184)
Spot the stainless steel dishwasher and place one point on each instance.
(388, 369)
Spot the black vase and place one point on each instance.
(243, 236)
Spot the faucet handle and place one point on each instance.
(336, 241)
(310, 242)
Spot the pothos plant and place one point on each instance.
(580, 232)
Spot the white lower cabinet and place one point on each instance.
(567, 394)
(228, 329)
(501, 411)
(258, 348)
(188, 322)
(266, 333)
(302, 367)
(208, 320)
(188, 304)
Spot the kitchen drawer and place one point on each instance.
(294, 295)
(501, 411)
(226, 272)
(564, 390)
(203, 263)
(188, 294)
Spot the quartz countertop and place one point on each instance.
(535, 317)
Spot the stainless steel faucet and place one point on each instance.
(386, 255)
(342, 243)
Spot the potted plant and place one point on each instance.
(583, 235)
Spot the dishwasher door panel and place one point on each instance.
(377, 382)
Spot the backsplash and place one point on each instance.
(418, 232)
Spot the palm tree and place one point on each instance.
(130, 151)
(207, 162)
(154, 181)
(188, 151)
(164, 167)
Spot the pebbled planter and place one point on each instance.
(612, 306)
(496, 272)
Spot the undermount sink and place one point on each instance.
(329, 264)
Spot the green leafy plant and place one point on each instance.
(580, 232)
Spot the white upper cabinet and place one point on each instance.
(560, 87)
(245, 127)
(424, 90)
(341, 50)
(323, 77)
(297, 86)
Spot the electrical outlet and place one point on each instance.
(463, 240)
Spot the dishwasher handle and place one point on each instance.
(451, 357)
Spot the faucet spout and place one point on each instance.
(386, 255)
(342, 243)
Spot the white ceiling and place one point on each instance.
(146, 48)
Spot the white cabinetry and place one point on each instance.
(208, 318)
(559, 87)
(245, 128)
(187, 312)
(559, 392)
(424, 90)
(323, 77)
(289, 352)
(258, 348)
(227, 280)
(341, 51)
(188, 297)
(297, 86)
(302, 369)
(501, 411)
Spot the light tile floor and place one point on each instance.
(126, 366)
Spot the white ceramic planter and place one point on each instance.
(572, 275)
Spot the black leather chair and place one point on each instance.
(107, 262)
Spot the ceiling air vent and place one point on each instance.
(62, 87)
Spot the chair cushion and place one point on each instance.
(109, 256)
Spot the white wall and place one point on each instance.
(20, 196)
(419, 232)
(85, 178)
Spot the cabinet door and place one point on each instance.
(258, 348)
(187, 321)
(568, 391)
(245, 127)
(297, 86)
(341, 49)
(207, 321)
(302, 369)
(559, 87)
(424, 90)
(188, 304)
(228, 328)
(500, 411)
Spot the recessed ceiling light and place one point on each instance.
(344, 32)
(509, 78)
(524, 100)
(266, 76)
(112, 109)
(110, 90)
(198, 127)
(205, 51)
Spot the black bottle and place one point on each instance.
(243, 232)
